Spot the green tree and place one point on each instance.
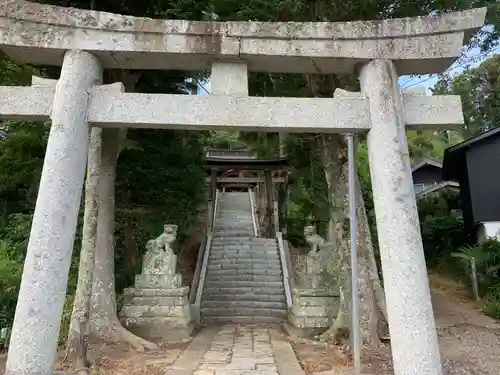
(480, 91)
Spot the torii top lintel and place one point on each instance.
(39, 34)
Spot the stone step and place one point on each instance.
(238, 242)
(243, 256)
(239, 267)
(243, 247)
(222, 227)
(232, 223)
(244, 284)
(243, 251)
(237, 210)
(234, 218)
(227, 229)
(245, 271)
(211, 292)
(237, 232)
(237, 215)
(234, 207)
(223, 320)
(267, 278)
(232, 226)
(244, 259)
(245, 297)
(250, 261)
(243, 305)
(241, 206)
(252, 239)
(232, 250)
(223, 311)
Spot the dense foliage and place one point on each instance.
(160, 178)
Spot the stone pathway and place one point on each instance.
(237, 350)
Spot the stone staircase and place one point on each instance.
(244, 280)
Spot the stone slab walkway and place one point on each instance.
(237, 350)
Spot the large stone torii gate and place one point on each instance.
(86, 42)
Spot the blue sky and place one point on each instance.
(471, 59)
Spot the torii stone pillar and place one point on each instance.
(33, 344)
(411, 321)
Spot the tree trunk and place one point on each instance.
(130, 247)
(333, 151)
(104, 318)
(333, 155)
(373, 307)
(76, 349)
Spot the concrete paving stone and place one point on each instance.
(204, 372)
(264, 361)
(212, 366)
(243, 350)
(269, 368)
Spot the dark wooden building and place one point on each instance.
(427, 176)
(475, 164)
(426, 172)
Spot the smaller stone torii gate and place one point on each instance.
(86, 42)
(227, 161)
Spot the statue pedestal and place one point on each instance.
(158, 281)
(312, 312)
(157, 308)
(155, 312)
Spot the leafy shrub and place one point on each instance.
(487, 261)
(4, 338)
(10, 279)
(443, 231)
(492, 301)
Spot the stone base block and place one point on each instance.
(160, 281)
(312, 312)
(136, 311)
(158, 314)
(156, 329)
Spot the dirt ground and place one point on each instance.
(469, 343)
(469, 340)
(122, 360)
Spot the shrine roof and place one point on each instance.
(242, 159)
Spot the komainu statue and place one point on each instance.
(315, 296)
(157, 307)
(160, 258)
(317, 272)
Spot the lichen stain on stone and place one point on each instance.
(149, 33)
(209, 40)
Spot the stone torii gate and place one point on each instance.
(85, 42)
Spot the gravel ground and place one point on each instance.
(469, 340)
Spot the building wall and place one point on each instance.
(425, 177)
(483, 167)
